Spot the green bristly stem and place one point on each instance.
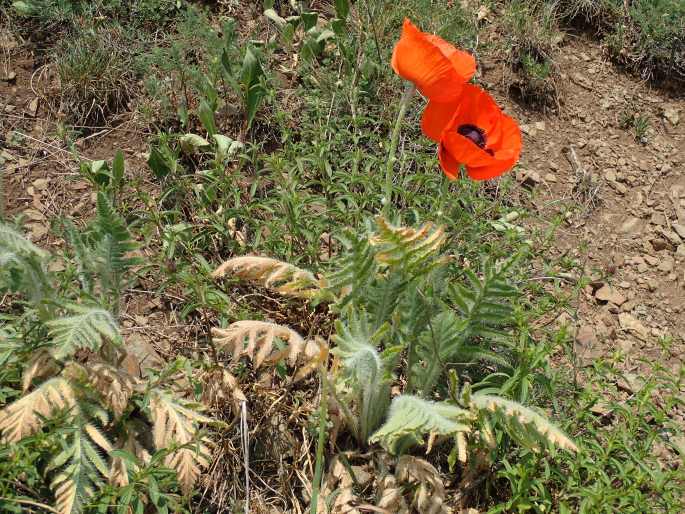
(318, 468)
(394, 140)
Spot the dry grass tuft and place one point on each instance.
(95, 75)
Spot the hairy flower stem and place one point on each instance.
(394, 140)
(318, 468)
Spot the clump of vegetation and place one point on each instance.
(651, 39)
(532, 37)
(82, 408)
(645, 35)
(95, 75)
(399, 318)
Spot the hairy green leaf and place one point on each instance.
(87, 328)
(411, 418)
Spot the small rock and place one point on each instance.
(625, 345)
(666, 265)
(680, 214)
(671, 236)
(631, 225)
(41, 184)
(618, 187)
(652, 261)
(601, 408)
(609, 294)
(630, 324)
(551, 178)
(672, 115)
(630, 383)
(660, 244)
(529, 130)
(539, 125)
(142, 355)
(38, 231)
(33, 106)
(679, 229)
(586, 346)
(528, 178)
(680, 252)
(34, 215)
(628, 306)
(658, 219)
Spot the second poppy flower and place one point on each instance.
(473, 131)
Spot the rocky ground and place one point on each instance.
(623, 197)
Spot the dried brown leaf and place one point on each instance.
(40, 365)
(429, 496)
(26, 415)
(279, 276)
(114, 384)
(176, 424)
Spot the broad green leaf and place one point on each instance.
(225, 146)
(251, 69)
(118, 168)
(159, 164)
(206, 115)
(273, 16)
(338, 26)
(309, 20)
(342, 8)
(252, 100)
(190, 142)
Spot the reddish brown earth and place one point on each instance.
(624, 209)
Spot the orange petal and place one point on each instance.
(417, 59)
(464, 63)
(504, 158)
(463, 150)
(448, 164)
(436, 116)
(492, 170)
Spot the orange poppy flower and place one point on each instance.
(435, 66)
(474, 132)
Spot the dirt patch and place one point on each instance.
(627, 201)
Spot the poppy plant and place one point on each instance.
(436, 67)
(473, 132)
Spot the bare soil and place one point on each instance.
(625, 201)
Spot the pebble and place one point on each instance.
(679, 229)
(607, 293)
(652, 261)
(630, 324)
(666, 265)
(631, 225)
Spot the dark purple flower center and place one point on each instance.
(475, 134)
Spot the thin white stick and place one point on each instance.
(245, 441)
